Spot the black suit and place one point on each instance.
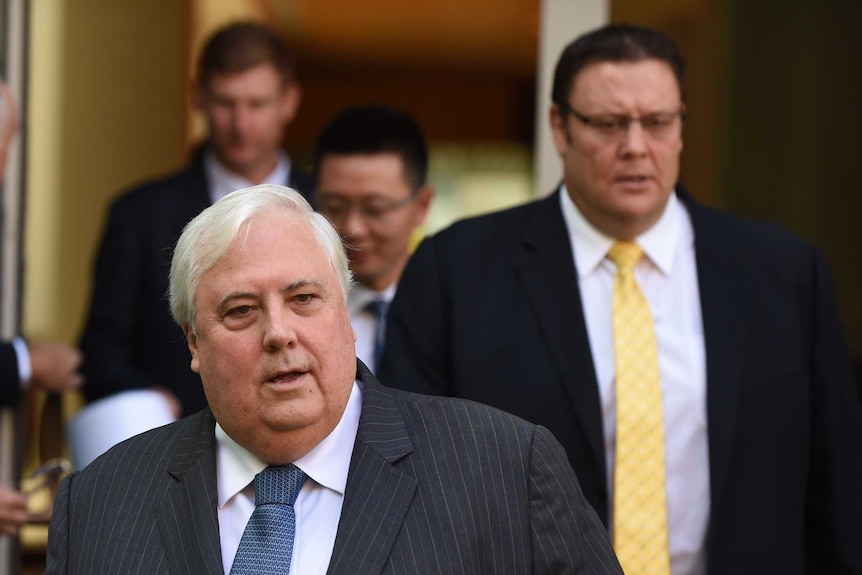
(434, 486)
(490, 310)
(10, 383)
(130, 340)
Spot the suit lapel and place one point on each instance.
(187, 517)
(378, 495)
(724, 304)
(546, 268)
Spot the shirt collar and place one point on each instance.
(222, 181)
(658, 243)
(327, 464)
(360, 296)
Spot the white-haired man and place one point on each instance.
(380, 481)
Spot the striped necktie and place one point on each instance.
(378, 309)
(267, 542)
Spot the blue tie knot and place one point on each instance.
(378, 308)
(278, 484)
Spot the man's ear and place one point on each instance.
(291, 97)
(423, 201)
(197, 95)
(192, 340)
(559, 129)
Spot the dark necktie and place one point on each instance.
(267, 542)
(378, 309)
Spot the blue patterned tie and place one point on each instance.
(378, 308)
(267, 542)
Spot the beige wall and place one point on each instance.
(106, 94)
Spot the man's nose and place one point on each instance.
(354, 225)
(240, 116)
(634, 139)
(279, 331)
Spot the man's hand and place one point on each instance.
(54, 366)
(13, 510)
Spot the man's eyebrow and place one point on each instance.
(302, 283)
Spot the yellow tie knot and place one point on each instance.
(625, 254)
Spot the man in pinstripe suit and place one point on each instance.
(396, 482)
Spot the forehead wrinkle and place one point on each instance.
(644, 86)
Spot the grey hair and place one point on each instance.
(207, 238)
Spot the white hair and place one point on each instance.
(207, 237)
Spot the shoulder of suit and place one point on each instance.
(461, 415)
(496, 229)
(148, 451)
(751, 235)
(162, 190)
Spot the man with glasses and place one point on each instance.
(691, 362)
(371, 163)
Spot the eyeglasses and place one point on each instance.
(658, 125)
(374, 212)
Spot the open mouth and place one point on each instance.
(286, 377)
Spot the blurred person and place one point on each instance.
(247, 90)
(50, 366)
(371, 164)
(692, 363)
(303, 462)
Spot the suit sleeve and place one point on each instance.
(108, 341)
(567, 535)
(9, 382)
(58, 532)
(417, 356)
(834, 503)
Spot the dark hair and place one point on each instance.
(615, 43)
(376, 129)
(241, 46)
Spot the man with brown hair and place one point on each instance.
(246, 89)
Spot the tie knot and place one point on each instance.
(625, 254)
(278, 484)
(378, 308)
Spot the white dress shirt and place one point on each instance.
(25, 368)
(318, 506)
(668, 278)
(222, 181)
(364, 322)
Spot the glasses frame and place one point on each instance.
(625, 121)
(376, 217)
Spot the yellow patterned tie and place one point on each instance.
(640, 496)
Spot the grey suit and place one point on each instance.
(436, 485)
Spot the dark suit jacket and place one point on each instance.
(434, 486)
(10, 383)
(130, 340)
(490, 310)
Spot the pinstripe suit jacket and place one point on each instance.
(436, 485)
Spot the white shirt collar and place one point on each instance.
(222, 181)
(327, 464)
(658, 243)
